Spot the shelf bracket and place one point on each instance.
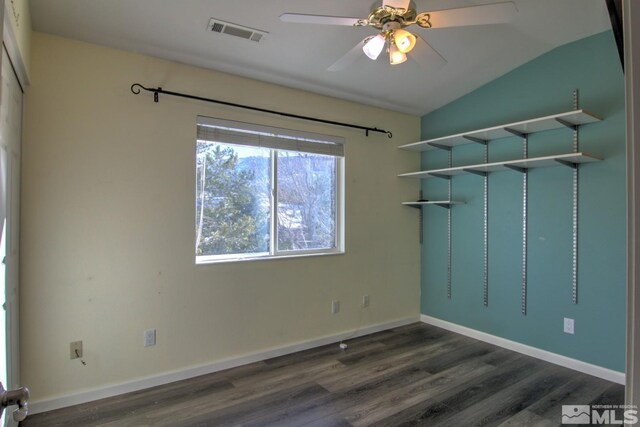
(444, 205)
(440, 146)
(516, 168)
(475, 172)
(441, 175)
(567, 124)
(516, 132)
(416, 206)
(572, 165)
(476, 139)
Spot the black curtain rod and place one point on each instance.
(137, 87)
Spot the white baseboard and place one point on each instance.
(567, 362)
(84, 396)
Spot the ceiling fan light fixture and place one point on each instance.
(404, 40)
(395, 56)
(373, 46)
(391, 17)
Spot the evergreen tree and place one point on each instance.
(227, 209)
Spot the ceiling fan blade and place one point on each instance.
(349, 57)
(495, 13)
(300, 18)
(397, 4)
(425, 55)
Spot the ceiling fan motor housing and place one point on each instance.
(385, 15)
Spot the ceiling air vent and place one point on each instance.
(222, 27)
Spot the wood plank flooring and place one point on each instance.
(416, 375)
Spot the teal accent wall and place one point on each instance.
(541, 87)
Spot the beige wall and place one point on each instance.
(108, 224)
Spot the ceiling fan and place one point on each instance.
(391, 17)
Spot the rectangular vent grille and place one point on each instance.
(217, 27)
(222, 27)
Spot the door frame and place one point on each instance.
(10, 42)
(17, 62)
(631, 19)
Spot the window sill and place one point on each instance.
(213, 259)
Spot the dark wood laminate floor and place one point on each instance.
(409, 376)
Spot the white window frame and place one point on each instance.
(288, 140)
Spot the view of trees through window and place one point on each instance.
(232, 201)
(234, 197)
(306, 201)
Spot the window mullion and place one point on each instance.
(273, 244)
(337, 206)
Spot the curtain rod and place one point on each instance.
(136, 88)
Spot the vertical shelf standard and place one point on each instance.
(574, 269)
(485, 234)
(485, 211)
(446, 204)
(450, 163)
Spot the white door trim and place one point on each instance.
(11, 44)
(631, 18)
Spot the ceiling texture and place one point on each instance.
(298, 55)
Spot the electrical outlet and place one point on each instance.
(149, 337)
(335, 307)
(75, 350)
(365, 301)
(568, 325)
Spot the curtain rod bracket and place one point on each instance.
(136, 88)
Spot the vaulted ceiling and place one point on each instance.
(298, 55)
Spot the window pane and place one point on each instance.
(232, 199)
(306, 201)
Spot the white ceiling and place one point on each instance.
(298, 55)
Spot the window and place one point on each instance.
(266, 192)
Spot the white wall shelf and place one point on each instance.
(524, 164)
(441, 203)
(520, 131)
(569, 119)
